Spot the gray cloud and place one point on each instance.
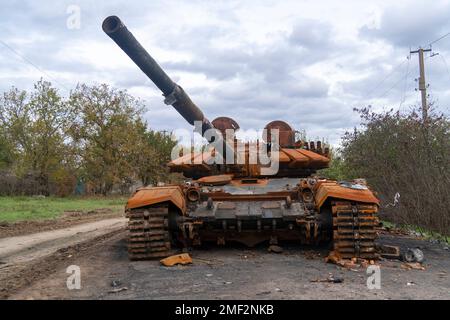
(411, 24)
(309, 33)
(298, 64)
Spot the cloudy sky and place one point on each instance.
(306, 62)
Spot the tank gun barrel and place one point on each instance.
(173, 93)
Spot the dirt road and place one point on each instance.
(237, 273)
(26, 258)
(29, 247)
(68, 219)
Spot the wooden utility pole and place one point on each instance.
(422, 84)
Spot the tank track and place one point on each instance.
(354, 230)
(148, 232)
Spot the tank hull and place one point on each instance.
(306, 211)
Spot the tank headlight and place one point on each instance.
(193, 195)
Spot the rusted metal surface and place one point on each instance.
(251, 211)
(216, 180)
(285, 131)
(150, 196)
(389, 252)
(224, 123)
(248, 238)
(271, 196)
(148, 232)
(249, 182)
(292, 163)
(354, 230)
(297, 159)
(326, 189)
(182, 259)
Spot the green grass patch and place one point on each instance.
(14, 209)
(427, 234)
(388, 224)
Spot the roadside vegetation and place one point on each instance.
(399, 153)
(93, 142)
(14, 209)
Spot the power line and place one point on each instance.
(446, 65)
(385, 78)
(392, 87)
(439, 39)
(396, 84)
(406, 82)
(32, 64)
(406, 75)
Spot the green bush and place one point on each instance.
(401, 153)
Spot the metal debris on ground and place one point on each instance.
(414, 255)
(116, 283)
(410, 283)
(330, 279)
(388, 252)
(118, 290)
(413, 265)
(182, 259)
(275, 249)
(350, 264)
(336, 259)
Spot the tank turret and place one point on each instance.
(294, 160)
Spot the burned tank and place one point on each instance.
(243, 200)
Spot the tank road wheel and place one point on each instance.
(148, 232)
(354, 231)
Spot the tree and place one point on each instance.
(106, 132)
(97, 135)
(336, 170)
(35, 125)
(6, 152)
(152, 155)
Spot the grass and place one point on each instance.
(426, 234)
(14, 209)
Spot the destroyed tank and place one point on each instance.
(243, 201)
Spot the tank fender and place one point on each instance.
(331, 189)
(153, 195)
